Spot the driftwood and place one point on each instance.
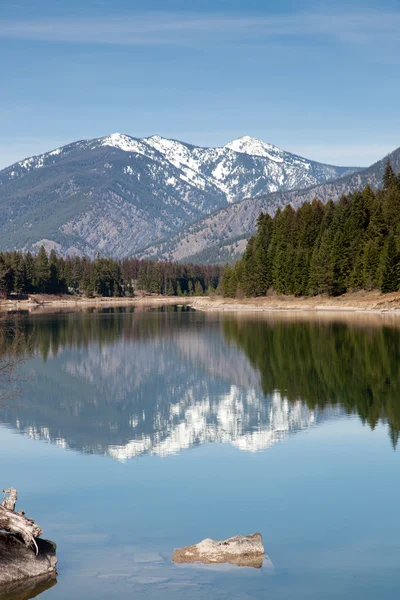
(243, 551)
(10, 498)
(16, 522)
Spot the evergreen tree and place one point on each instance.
(6, 281)
(29, 272)
(18, 272)
(55, 284)
(390, 276)
(370, 265)
(321, 271)
(198, 288)
(389, 177)
(142, 277)
(228, 282)
(42, 271)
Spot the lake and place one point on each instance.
(141, 430)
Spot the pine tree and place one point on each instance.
(29, 272)
(5, 278)
(170, 288)
(76, 273)
(250, 275)
(42, 271)
(198, 289)
(18, 271)
(228, 287)
(210, 290)
(301, 272)
(55, 285)
(389, 177)
(321, 272)
(390, 276)
(154, 279)
(142, 283)
(370, 265)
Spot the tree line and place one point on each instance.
(321, 248)
(26, 273)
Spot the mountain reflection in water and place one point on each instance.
(124, 383)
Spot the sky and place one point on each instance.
(316, 78)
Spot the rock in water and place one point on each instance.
(244, 551)
(17, 562)
(27, 588)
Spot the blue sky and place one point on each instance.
(316, 78)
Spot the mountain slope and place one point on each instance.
(119, 194)
(219, 237)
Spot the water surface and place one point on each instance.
(139, 431)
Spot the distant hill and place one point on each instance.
(118, 195)
(215, 237)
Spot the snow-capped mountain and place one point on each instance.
(246, 166)
(221, 236)
(119, 194)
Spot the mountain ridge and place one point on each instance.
(118, 194)
(227, 226)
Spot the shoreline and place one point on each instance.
(40, 301)
(357, 302)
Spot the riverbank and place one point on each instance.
(363, 302)
(374, 301)
(36, 301)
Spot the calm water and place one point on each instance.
(141, 431)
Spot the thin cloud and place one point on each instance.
(152, 29)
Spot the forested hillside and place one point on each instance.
(324, 249)
(27, 274)
(239, 220)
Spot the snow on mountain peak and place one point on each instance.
(255, 147)
(176, 152)
(121, 141)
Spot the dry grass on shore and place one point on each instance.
(373, 301)
(67, 301)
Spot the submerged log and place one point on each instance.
(14, 522)
(246, 551)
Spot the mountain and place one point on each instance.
(221, 236)
(119, 194)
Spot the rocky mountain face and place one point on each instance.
(222, 236)
(119, 194)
